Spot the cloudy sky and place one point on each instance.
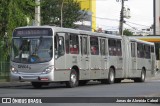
(108, 13)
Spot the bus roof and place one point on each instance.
(141, 41)
(77, 31)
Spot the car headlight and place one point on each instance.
(14, 70)
(48, 70)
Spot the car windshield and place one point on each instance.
(31, 50)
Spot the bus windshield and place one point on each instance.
(32, 50)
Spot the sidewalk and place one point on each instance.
(18, 84)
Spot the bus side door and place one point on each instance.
(104, 57)
(84, 73)
(133, 58)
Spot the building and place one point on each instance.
(90, 20)
(156, 16)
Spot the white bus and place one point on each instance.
(46, 54)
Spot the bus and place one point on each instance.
(46, 54)
(156, 40)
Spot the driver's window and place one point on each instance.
(59, 44)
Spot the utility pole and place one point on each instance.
(121, 18)
(37, 13)
(121, 21)
(154, 17)
(62, 13)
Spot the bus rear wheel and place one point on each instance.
(142, 78)
(111, 76)
(73, 82)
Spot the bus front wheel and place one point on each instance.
(73, 82)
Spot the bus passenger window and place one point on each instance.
(112, 47)
(74, 44)
(67, 37)
(140, 50)
(94, 45)
(119, 49)
(147, 52)
(103, 47)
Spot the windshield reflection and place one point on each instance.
(32, 50)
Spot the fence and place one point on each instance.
(4, 70)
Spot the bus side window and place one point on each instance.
(112, 47)
(119, 48)
(140, 50)
(67, 38)
(103, 47)
(147, 51)
(94, 45)
(133, 53)
(74, 44)
(152, 49)
(84, 46)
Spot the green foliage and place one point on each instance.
(127, 32)
(51, 12)
(13, 14)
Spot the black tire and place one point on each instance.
(73, 82)
(142, 78)
(36, 85)
(83, 82)
(111, 76)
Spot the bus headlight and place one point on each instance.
(48, 70)
(14, 70)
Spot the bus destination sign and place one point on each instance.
(32, 32)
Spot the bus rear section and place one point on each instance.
(140, 62)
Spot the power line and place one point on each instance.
(118, 21)
(137, 24)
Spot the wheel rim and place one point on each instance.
(111, 76)
(73, 78)
(143, 76)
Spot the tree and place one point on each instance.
(13, 14)
(127, 32)
(51, 12)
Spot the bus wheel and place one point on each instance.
(36, 84)
(73, 82)
(142, 78)
(111, 76)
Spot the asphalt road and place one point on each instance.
(93, 89)
(150, 88)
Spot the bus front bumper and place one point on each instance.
(38, 77)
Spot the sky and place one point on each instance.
(108, 14)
